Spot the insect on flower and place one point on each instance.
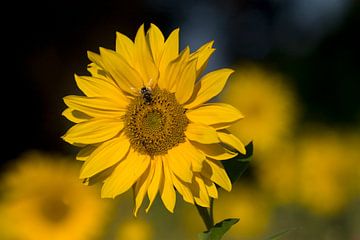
(145, 92)
(146, 95)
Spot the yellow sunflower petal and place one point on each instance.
(202, 55)
(214, 113)
(99, 177)
(173, 72)
(155, 181)
(201, 133)
(156, 41)
(95, 106)
(200, 193)
(170, 52)
(93, 131)
(195, 156)
(215, 151)
(229, 139)
(185, 84)
(179, 163)
(97, 72)
(176, 68)
(183, 189)
(210, 187)
(126, 173)
(185, 153)
(125, 47)
(167, 191)
(105, 156)
(141, 187)
(208, 87)
(127, 78)
(75, 115)
(145, 64)
(101, 87)
(85, 152)
(216, 172)
(95, 58)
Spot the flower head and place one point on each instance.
(43, 199)
(145, 123)
(268, 103)
(327, 166)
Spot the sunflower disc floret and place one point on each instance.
(156, 127)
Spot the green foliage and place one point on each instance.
(218, 231)
(236, 166)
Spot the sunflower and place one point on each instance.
(268, 103)
(327, 166)
(144, 122)
(42, 199)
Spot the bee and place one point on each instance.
(146, 94)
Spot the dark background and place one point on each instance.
(45, 44)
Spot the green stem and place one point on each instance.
(206, 215)
(212, 211)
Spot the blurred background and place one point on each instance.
(297, 82)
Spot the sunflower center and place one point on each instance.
(54, 209)
(155, 123)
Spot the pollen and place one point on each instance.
(157, 126)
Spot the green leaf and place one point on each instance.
(236, 166)
(280, 234)
(218, 231)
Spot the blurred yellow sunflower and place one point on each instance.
(328, 169)
(43, 199)
(268, 104)
(144, 121)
